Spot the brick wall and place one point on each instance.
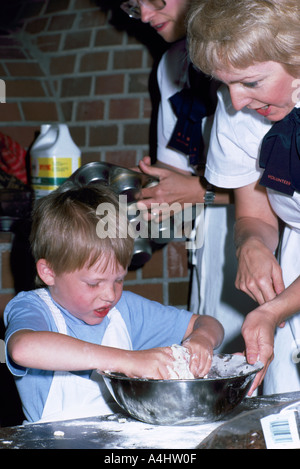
(84, 63)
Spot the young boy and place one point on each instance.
(81, 321)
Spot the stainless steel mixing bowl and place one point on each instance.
(180, 402)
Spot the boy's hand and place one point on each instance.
(203, 335)
(151, 363)
(201, 352)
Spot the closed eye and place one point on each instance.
(251, 84)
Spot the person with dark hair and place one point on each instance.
(185, 115)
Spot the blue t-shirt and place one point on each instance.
(149, 324)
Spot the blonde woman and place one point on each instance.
(253, 47)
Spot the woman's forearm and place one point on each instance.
(250, 229)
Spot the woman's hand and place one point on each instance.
(258, 332)
(259, 275)
(256, 238)
(175, 188)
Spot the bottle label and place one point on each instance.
(49, 173)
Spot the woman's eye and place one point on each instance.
(93, 285)
(251, 84)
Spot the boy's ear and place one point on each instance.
(45, 272)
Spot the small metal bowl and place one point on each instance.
(181, 402)
(142, 252)
(97, 171)
(125, 182)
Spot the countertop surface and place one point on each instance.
(119, 431)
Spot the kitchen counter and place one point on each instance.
(119, 431)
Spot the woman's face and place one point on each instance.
(265, 87)
(169, 22)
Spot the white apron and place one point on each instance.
(71, 396)
(283, 374)
(213, 290)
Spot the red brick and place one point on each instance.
(138, 82)
(78, 134)
(136, 134)
(25, 69)
(49, 42)
(179, 294)
(109, 37)
(126, 158)
(103, 135)
(24, 88)
(90, 156)
(154, 268)
(36, 26)
(94, 62)
(90, 19)
(76, 87)
(151, 291)
(61, 22)
(43, 112)
(124, 108)
(67, 109)
(24, 135)
(12, 53)
(77, 40)
(62, 65)
(132, 59)
(147, 108)
(109, 84)
(9, 112)
(90, 110)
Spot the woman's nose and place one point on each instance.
(240, 97)
(146, 13)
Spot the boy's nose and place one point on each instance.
(108, 294)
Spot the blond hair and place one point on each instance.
(66, 229)
(240, 33)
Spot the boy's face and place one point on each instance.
(88, 293)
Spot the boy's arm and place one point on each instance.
(203, 335)
(47, 350)
(58, 352)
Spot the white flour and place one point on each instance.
(181, 365)
(223, 366)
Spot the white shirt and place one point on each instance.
(172, 76)
(236, 137)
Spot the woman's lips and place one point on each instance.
(159, 27)
(264, 111)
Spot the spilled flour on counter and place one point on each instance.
(181, 365)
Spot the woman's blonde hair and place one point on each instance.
(68, 229)
(240, 33)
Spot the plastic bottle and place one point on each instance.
(53, 158)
